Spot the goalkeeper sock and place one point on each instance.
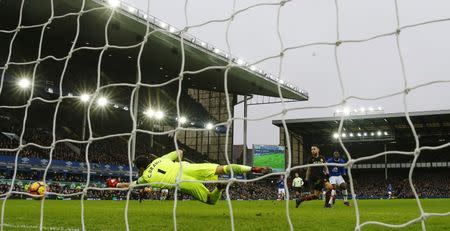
(345, 194)
(214, 196)
(237, 169)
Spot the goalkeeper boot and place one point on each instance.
(262, 170)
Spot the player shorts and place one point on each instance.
(298, 189)
(316, 184)
(336, 180)
(281, 191)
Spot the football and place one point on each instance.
(38, 188)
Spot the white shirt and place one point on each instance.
(297, 182)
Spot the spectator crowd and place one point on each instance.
(367, 185)
(112, 150)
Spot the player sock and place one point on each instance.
(345, 194)
(237, 169)
(333, 194)
(327, 198)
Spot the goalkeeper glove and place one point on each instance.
(112, 182)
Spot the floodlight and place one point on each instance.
(163, 25)
(85, 97)
(351, 134)
(385, 133)
(102, 101)
(114, 3)
(182, 120)
(346, 111)
(209, 126)
(372, 134)
(132, 9)
(240, 62)
(359, 134)
(159, 115)
(365, 134)
(344, 135)
(149, 113)
(379, 133)
(24, 83)
(335, 135)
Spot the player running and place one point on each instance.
(280, 186)
(337, 176)
(316, 178)
(165, 170)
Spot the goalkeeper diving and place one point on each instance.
(162, 173)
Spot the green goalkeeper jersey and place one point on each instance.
(162, 169)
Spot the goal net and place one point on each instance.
(46, 39)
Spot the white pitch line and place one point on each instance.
(37, 227)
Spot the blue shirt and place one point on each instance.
(336, 170)
(389, 188)
(280, 183)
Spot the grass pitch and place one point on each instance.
(193, 215)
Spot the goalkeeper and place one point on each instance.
(166, 169)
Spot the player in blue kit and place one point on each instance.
(389, 191)
(337, 178)
(280, 186)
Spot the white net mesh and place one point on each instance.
(151, 28)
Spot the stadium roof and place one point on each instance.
(431, 126)
(161, 57)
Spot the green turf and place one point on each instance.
(192, 215)
(275, 160)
